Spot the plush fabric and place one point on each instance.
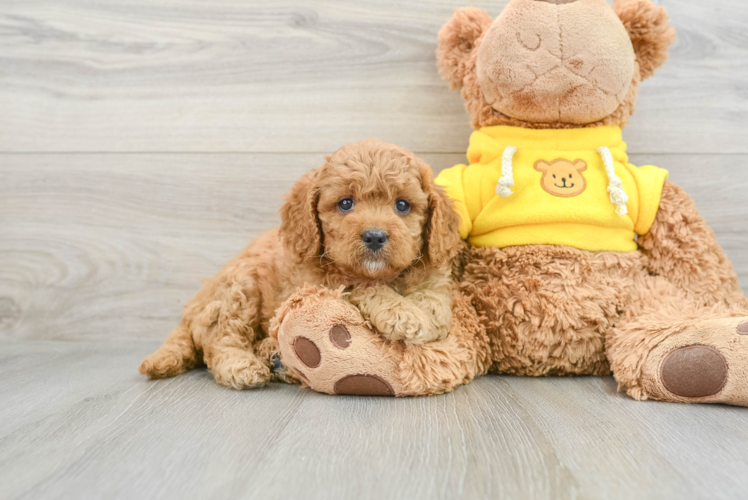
(547, 310)
(460, 39)
(553, 202)
(547, 63)
(665, 315)
(396, 369)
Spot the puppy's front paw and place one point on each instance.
(401, 323)
(239, 370)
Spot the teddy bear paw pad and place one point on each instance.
(307, 352)
(341, 337)
(694, 371)
(743, 328)
(363, 385)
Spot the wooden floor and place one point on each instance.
(145, 142)
(78, 422)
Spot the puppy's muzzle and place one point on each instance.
(374, 239)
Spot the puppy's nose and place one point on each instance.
(374, 239)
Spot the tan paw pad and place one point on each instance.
(307, 352)
(694, 371)
(363, 385)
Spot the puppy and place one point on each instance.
(371, 220)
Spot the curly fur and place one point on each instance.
(551, 310)
(542, 310)
(406, 295)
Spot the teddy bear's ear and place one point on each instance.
(457, 40)
(580, 165)
(649, 30)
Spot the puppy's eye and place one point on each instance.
(554, 176)
(345, 205)
(402, 206)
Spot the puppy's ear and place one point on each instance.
(650, 32)
(300, 229)
(457, 40)
(580, 165)
(442, 228)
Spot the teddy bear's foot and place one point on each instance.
(324, 342)
(707, 363)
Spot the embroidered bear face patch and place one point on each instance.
(562, 177)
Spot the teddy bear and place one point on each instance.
(576, 262)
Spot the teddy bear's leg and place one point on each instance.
(325, 342)
(683, 338)
(671, 348)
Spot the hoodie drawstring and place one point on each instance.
(504, 187)
(618, 196)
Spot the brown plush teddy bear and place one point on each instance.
(579, 262)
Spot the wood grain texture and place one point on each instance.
(306, 76)
(103, 247)
(77, 421)
(143, 104)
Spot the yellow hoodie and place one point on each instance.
(570, 187)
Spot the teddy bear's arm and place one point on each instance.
(683, 248)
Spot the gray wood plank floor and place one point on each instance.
(143, 143)
(78, 422)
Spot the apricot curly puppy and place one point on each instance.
(370, 220)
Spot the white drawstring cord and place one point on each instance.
(504, 187)
(618, 196)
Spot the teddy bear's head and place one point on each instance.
(553, 63)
